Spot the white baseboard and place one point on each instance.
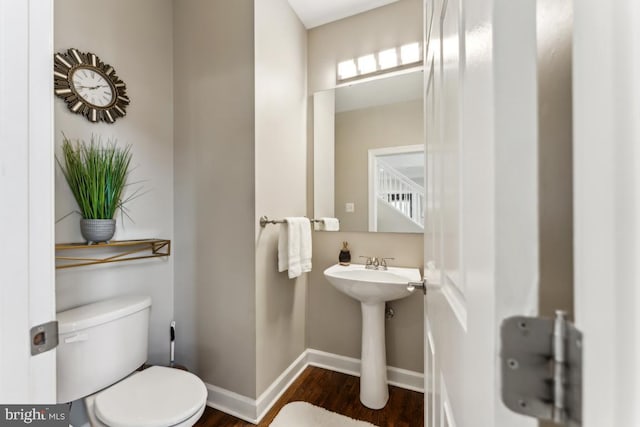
(398, 377)
(253, 410)
(232, 403)
(271, 395)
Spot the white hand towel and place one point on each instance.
(283, 247)
(294, 246)
(330, 224)
(305, 245)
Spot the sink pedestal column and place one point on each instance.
(374, 391)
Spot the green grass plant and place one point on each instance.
(97, 175)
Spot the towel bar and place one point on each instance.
(264, 221)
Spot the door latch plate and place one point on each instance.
(44, 337)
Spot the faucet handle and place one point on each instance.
(383, 262)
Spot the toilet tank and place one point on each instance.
(99, 344)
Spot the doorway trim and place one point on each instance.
(27, 274)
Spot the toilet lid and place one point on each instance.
(157, 396)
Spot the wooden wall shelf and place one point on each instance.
(68, 254)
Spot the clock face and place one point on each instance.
(89, 86)
(92, 86)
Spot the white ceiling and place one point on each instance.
(314, 13)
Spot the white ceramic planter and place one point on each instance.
(97, 230)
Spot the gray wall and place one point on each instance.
(358, 131)
(333, 319)
(240, 152)
(136, 39)
(280, 181)
(215, 298)
(555, 156)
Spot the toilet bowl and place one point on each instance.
(101, 345)
(155, 397)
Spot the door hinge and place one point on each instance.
(44, 337)
(542, 368)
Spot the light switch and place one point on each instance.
(350, 207)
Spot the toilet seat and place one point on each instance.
(154, 397)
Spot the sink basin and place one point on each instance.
(373, 288)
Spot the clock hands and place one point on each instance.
(91, 87)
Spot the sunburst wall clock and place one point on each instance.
(89, 86)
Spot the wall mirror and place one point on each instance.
(369, 154)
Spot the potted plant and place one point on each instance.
(97, 175)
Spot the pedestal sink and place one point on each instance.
(373, 288)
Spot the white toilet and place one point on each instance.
(101, 346)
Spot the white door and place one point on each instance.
(482, 219)
(480, 99)
(27, 295)
(607, 207)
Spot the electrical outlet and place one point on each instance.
(350, 207)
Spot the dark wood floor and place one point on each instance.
(338, 393)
